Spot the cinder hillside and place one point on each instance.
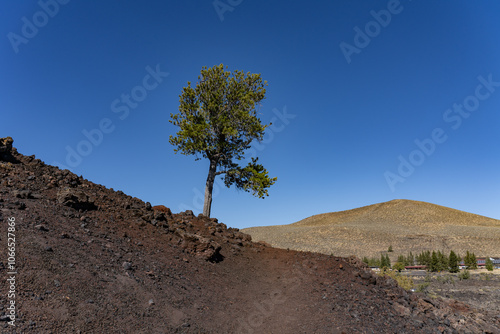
(89, 259)
(406, 225)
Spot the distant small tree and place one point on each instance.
(372, 262)
(489, 264)
(453, 262)
(418, 257)
(398, 266)
(434, 263)
(410, 259)
(218, 120)
(474, 261)
(442, 261)
(382, 261)
(424, 258)
(467, 259)
(385, 262)
(390, 248)
(470, 260)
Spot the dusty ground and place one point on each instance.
(481, 290)
(93, 260)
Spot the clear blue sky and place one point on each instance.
(352, 86)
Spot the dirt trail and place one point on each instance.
(94, 260)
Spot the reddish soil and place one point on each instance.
(94, 260)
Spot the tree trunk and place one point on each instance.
(207, 206)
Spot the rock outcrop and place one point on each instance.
(6, 149)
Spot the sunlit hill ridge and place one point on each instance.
(407, 225)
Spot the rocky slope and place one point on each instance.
(94, 260)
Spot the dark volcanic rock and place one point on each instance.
(163, 208)
(6, 149)
(76, 199)
(94, 260)
(6, 145)
(203, 247)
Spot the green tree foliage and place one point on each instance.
(470, 260)
(442, 261)
(385, 262)
(438, 261)
(489, 264)
(410, 259)
(372, 262)
(405, 282)
(424, 258)
(390, 249)
(453, 262)
(467, 259)
(465, 274)
(398, 266)
(434, 263)
(218, 121)
(382, 261)
(473, 261)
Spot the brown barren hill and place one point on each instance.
(88, 259)
(405, 224)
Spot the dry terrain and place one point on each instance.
(89, 259)
(481, 290)
(368, 231)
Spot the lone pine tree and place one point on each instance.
(218, 121)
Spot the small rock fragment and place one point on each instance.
(41, 227)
